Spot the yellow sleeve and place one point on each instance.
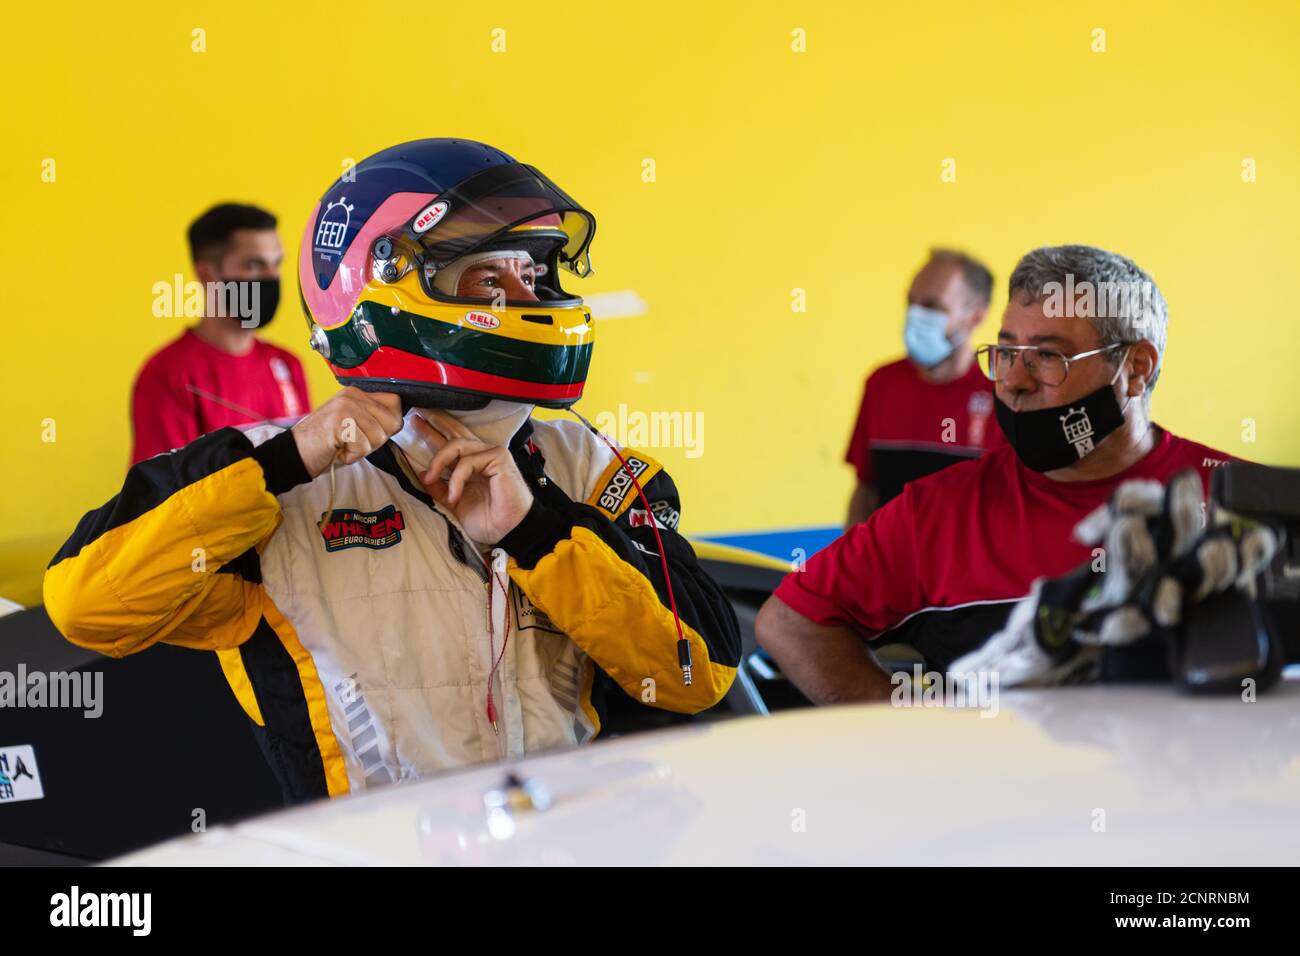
(594, 568)
(173, 556)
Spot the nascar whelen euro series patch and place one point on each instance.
(349, 528)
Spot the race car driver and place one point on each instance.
(941, 566)
(418, 575)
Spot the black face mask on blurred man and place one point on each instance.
(253, 302)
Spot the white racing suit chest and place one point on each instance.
(391, 604)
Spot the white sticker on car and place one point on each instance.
(19, 777)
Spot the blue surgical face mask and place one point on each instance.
(925, 333)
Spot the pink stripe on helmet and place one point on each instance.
(332, 307)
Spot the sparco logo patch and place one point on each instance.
(349, 528)
(611, 499)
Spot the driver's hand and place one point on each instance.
(349, 426)
(477, 482)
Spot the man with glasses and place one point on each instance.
(940, 566)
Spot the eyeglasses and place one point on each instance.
(1047, 366)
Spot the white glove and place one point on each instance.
(1160, 558)
(1019, 659)
(1155, 561)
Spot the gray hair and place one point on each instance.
(1121, 301)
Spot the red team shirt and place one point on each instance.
(267, 383)
(908, 427)
(941, 564)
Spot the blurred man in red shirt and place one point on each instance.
(934, 407)
(219, 373)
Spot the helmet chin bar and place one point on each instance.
(426, 395)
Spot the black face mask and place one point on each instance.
(1050, 438)
(253, 302)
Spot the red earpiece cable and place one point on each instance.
(683, 645)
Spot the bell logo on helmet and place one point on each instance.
(429, 217)
(482, 320)
(333, 227)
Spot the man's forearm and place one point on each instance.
(829, 664)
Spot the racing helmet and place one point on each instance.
(369, 266)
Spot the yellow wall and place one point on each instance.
(775, 170)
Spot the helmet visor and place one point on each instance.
(470, 215)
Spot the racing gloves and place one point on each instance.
(1157, 553)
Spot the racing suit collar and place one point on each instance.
(498, 423)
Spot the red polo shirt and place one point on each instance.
(908, 428)
(190, 388)
(941, 564)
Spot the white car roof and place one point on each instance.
(1113, 775)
